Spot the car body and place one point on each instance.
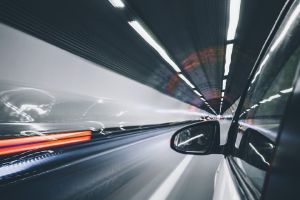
(260, 155)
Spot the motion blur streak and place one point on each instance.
(43, 138)
(126, 167)
(39, 142)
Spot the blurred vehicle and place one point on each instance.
(261, 156)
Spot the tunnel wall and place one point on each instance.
(44, 87)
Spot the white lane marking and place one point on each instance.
(166, 187)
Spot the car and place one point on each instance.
(261, 153)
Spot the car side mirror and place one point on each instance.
(200, 138)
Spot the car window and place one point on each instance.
(263, 109)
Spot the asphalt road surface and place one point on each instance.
(139, 166)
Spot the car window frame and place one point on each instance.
(233, 130)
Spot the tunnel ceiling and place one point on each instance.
(192, 32)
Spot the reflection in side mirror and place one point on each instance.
(199, 138)
(256, 149)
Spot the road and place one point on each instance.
(139, 166)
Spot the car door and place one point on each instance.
(261, 116)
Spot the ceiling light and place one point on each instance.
(151, 41)
(196, 92)
(117, 3)
(203, 100)
(222, 94)
(224, 84)
(234, 14)
(186, 80)
(228, 58)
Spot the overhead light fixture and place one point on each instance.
(117, 3)
(224, 84)
(203, 99)
(198, 93)
(222, 94)
(290, 21)
(186, 80)
(229, 48)
(234, 14)
(151, 41)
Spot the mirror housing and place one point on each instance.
(201, 138)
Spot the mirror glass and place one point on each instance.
(256, 150)
(197, 138)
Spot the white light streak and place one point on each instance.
(198, 93)
(292, 18)
(263, 101)
(192, 138)
(260, 67)
(229, 48)
(151, 41)
(224, 84)
(186, 80)
(274, 97)
(117, 3)
(254, 106)
(270, 98)
(287, 90)
(259, 154)
(234, 14)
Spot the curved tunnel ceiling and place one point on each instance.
(192, 32)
